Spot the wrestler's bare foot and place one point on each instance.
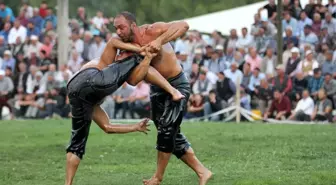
(205, 177)
(177, 95)
(152, 181)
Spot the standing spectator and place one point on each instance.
(328, 66)
(37, 20)
(289, 21)
(271, 10)
(34, 46)
(75, 62)
(98, 21)
(82, 18)
(6, 87)
(121, 98)
(253, 59)
(97, 47)
(281, 105)
(317, 23)
(304, 20)
(20, 78)
(308, 64)
(329, 86)
(297, 8)
(282, 82)
(32, 29)
(269, 62)
(304, 109)
(8, 61)
(329, 23)
(202, 85)
(264, 93)
(43, 9)
(292, 63)
(6, 13)
(323, 108)
(245, 41)
(5, 31)
(231, 42)
(225, 90)
(299, 84)
(27, 9)
(315, 83)
(139, 100)
(77, 43)
(50, 17)
(195, 106)
(17, 31)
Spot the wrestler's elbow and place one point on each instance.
(132, 81)
(184, 26)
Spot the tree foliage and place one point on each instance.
(147, 11)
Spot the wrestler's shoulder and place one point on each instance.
(154, 28)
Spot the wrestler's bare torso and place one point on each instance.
(165, 62)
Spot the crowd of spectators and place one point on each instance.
(301, 87)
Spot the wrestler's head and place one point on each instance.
(125, 23)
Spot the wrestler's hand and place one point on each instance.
(143, 126)
(149, 54)
(155, 45)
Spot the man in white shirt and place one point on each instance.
(98, 21)
(234, 73)
(17, 31)
(77, 43)
(97, 47)
(34, 46)
(245, 41)
(304, 109)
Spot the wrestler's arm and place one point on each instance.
(167, 32)
(118, 44)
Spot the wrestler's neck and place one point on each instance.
(138, 35)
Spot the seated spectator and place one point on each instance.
(75, 62)
(289, 21)
(246, 75)
(18, 46)
(315, 83)
(51, 83)
(328, 66)
(325, 38)
(50, 17)
(213, 105)
(5, 31)
(8, 61)
(254, 81)
(299, 84)
(121, 98)
(323, 108)
(194, 74)
(139, 100)
(3, 46)
(202, 85)
(245, 99)
(270, 29)
(60, 74)
(280, 108)
(253, 59)
(45, 61)
(304, 20)
(97, 47)
(261, 42)
(308, 37)
(215, 65)
(282, 82)
(35, 83)
(317, 23)
(20, 78)
(33, 30)
(269, 63)
(307, 65)
(225, 90)
(212, 77)
(47, 46)
(245, 40)
(195, 106)
(330, 23)
(290, 38)
(329, 86)
(292, 62)
(6, 88)
(228, 57)
(6, 13)
(77, 43)
(234, 73)
(33, 47)
(54, 105)
(198, 59)
(304, 108)
(264, 93)
(232, 40)
(17, 31)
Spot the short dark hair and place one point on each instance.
(128, 16)
(212, 91)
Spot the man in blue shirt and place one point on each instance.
(50, 17)
(5, 31)
(6, 13)
(32, 29)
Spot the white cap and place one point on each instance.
(7, 52)
(33, 37)
(309, 52)
(295, 50)
(2, 72)
(280, 66)
(219, 47)
(198, 51)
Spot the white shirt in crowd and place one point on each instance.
(14, 33)
(306, 105)
(79, 46)
(234, 75)
(244, 42)
(98, 22)
(305, 63)
(96, 51)
(28, 50)
(75, 64)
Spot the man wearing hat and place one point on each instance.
(6, 87)
(33, 47)
(292, 62)
(8, 61)
(97, 47)
(308, 64)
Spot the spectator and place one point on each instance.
(33, 79)
(215, 65)
(297, 8)
(18, 47)
(309, 8)
(34, 47)
(27, 9)
(304, 20)
(292, 63)
(198, 58)
(331, 7)
(229, 57)
(329, 86)
(8, 61)
(264, 93)
(254, 81)
(271, 10)
(307, 65)
(289, 21)
(5, 31)
(212, 106)
(246, 75)
(77, 43)
(6, 13)
(87, 42)
(325, 38)
(17, 31)
(231, 42)
(34, 60)
(245, 41)
(317, 23)
(328, 66)
(234, 73)
(245, 99)
(253, 59)
(97, 47)
(50, 17)
(282, 82)
(121, 98)
(82, 18)
(45, 61)
(288, 7)
(43, 9)
(217, 39)
(47, 46)
(202, 85)
(256, 25)
(281, 105)
(98, 21)
(299, 84)
(54, 105)
(261, 41)
(287, 53)
(225, 90)
(212, 77)
(139, 100)
(6, 87)
(23, 20)
(290, 38)
(194, 74)
(270, 29)
(3, 46)
(32, 29)
(308, 37)
(269, 62)
(20, 78)
(51, 83)
(315, 83)
(220, 51)
(329, 23)
(323, 108)
(195, 106)
(75, 62)
(304, 109)
(37, 20)
(47, 30)
(62, 70)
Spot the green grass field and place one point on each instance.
(32, 153)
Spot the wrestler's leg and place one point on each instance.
(155, 78)
(72, 163)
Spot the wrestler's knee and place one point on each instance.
(166, 139)
(78, 153)
(182, 146)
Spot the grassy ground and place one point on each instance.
(32, 153)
